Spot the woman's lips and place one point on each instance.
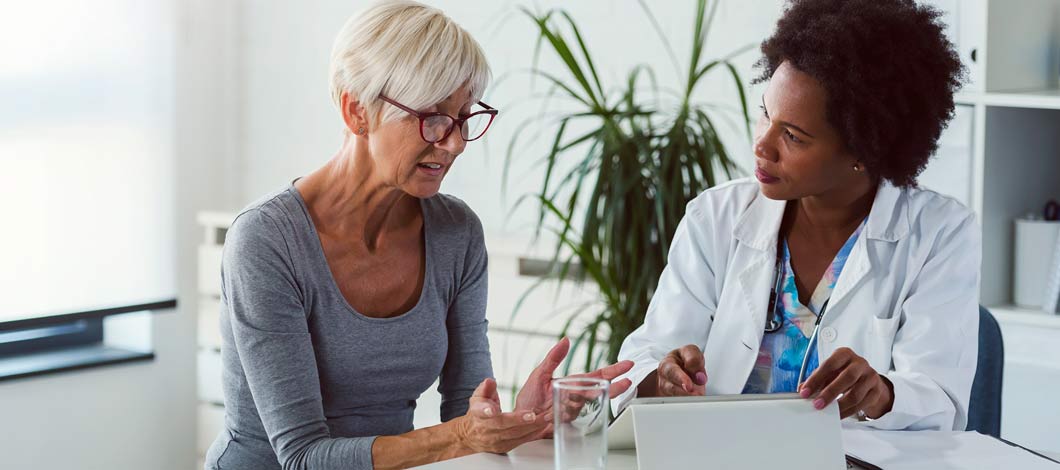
(431, 171)
(765, 178)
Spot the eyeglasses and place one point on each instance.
(436, 127)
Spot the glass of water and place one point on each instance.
(579, 417)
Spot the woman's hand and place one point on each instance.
(485, 429)
(847, 374)
(681, 373)
(536, 394)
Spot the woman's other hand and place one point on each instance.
(486, 429)
(850, 375)
(536, 393)
(681, 373)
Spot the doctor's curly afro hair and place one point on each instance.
(888, 69)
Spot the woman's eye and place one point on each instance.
(764, 112)
(791, 136)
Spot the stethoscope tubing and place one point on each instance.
(812, 345)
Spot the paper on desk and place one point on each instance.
(934, 450)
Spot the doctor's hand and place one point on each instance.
(847, 374)
(681, 373)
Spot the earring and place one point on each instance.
(360, 131)
(857, 167)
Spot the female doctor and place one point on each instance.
(831, 236)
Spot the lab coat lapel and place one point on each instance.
(756, 233)
(887, 222)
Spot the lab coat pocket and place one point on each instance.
(881, 341)
(886, 328)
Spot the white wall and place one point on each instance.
(142, 415)
(291, 127)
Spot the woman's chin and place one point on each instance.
(423, 191)
(772, 191)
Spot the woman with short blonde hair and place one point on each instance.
(350, 291)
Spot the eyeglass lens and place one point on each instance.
(435, 128)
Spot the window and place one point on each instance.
(85, 150)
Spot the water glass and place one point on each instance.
(579, 412)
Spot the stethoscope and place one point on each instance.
(775, 318)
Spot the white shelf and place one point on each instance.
(215, 218)
(1013, 315)
(1036, 99)
(968, 98)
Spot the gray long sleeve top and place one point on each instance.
(308, 381)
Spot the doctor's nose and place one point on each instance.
(763, 150)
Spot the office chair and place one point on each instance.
(984, 408)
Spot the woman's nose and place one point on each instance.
(763, 150)
(453, 143)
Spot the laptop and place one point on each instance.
(730, 431)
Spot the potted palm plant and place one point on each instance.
(615, 214)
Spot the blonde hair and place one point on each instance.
(410, 52)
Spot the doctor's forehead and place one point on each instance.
(796, 97)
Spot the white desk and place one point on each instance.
(537, 455)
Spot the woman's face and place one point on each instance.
(401, 159)
(797, 152)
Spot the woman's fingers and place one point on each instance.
(516, 425)
(827, 371)
(619, 387)
(693, 363)
(483, 409)
(609, 372)
(855, 405)
(507, 423)
(490, 430)
(855, 396)
(674, 376)
(552, 360)
(684, 370)
(484, 402)
(487, 390)
(843, 382)
(508, 442)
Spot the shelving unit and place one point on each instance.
(1012, 51)
(208, 360)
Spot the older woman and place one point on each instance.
(831, 253)
(350, 291)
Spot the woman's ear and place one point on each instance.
(354, 114)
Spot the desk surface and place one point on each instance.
(537, 455)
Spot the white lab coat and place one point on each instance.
(906, 300)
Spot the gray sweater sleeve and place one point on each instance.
(272, 339)
(468, 360)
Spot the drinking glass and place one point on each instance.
(579, 412)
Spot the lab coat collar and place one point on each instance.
(889, 217)
(759, 225)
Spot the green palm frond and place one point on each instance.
(634, 170)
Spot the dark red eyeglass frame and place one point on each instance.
(490, 110)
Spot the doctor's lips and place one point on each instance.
(765, 178)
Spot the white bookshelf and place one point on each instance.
(208, 358)
(1013, 101)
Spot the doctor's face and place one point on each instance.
(798, 153)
